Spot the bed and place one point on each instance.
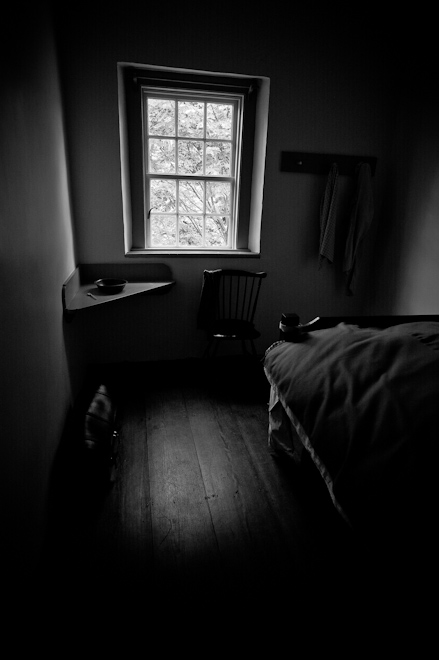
(359, 396)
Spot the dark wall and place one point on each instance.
(329, 93)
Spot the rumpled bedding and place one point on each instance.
(365, 405)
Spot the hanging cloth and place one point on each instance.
(360, 221)
(327, 217)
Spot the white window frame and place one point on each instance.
(233, 178)
(250, 94)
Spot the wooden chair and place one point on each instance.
(228, 307)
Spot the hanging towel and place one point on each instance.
(360, 221)
(327, 217)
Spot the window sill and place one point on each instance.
(133, 253)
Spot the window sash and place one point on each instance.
(206, 97)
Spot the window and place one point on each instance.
(191, 149)
(193, 156)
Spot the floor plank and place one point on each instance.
(251, 545)
(185, 547)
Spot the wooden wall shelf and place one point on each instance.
(312, 163)
(142, 278)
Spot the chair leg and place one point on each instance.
(207, 349)
(253, 347)
(215, 347)
(214, 343)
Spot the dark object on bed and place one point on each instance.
(359, 396)
(227, 307)
(290, 328)
(291, 321)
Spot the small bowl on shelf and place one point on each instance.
(110, 285)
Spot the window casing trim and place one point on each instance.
(131, 79)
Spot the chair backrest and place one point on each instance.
(238, 294)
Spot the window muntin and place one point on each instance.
(191, 153)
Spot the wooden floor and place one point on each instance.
(201, 511)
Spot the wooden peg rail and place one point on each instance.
(312, 163)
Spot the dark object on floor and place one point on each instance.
(100, 440)
(85, 466)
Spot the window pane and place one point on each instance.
(190, 230)
(217, 197)
(163, 230)
(161, 117)
(190, 119)
(191, 197)
(163, 195)
(218, 158)
(217, 231)
(190, 157)
(161, 156)
(219, 121)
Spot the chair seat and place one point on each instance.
(234, 329)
